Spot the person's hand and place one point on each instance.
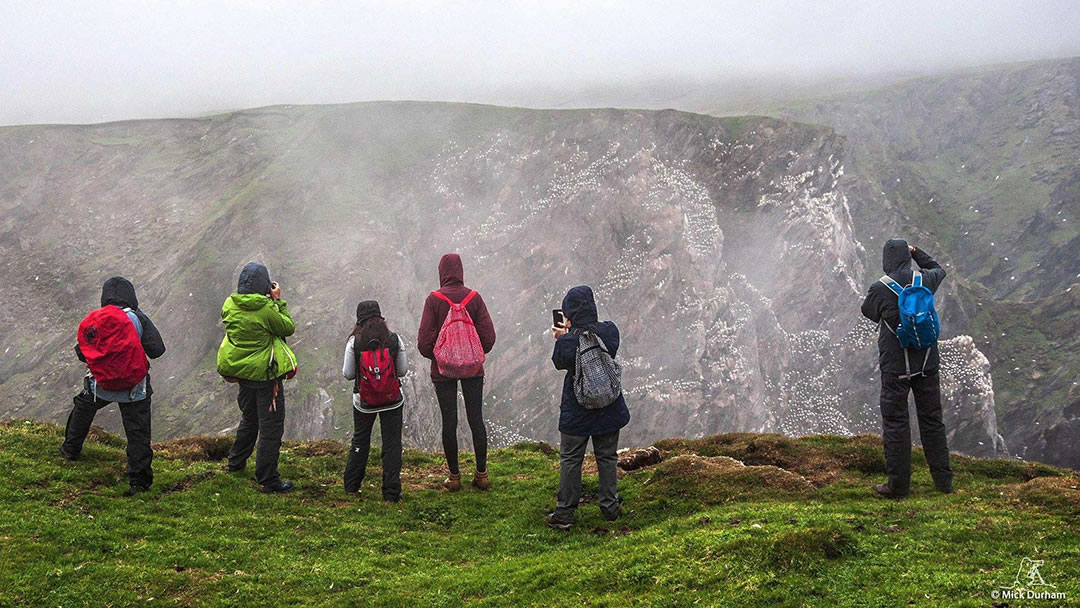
(558, 331)
(275, 291)
(912, 248)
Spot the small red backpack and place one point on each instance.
(458, 351)
(377, 380)
(114, 353)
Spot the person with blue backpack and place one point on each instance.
(375, 361)
(902, 304)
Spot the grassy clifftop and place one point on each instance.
(739, 520)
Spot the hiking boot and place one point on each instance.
(67, 456)
(884, 491)
(943, 488)
(480, 481)
(278, 488)
(453, 482)
(133, 490)
(555, 524)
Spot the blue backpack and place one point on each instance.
(919, 326)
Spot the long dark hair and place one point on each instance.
(373, 334)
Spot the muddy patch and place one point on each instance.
(188, 481)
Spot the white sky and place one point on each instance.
(98, 60)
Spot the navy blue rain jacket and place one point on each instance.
(580, 307)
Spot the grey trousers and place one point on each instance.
(572, 454)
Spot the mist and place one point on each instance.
(79, 62)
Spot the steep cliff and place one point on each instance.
(724, 248)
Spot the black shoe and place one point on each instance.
(231, 469)
(884, 491)
(555, 524)
(944, 489)
(279, 488)
(133, 490)
(67, 456)
(391, 499)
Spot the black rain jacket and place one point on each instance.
(880, 305)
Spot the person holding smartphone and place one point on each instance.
(577, 425)
(254, 355)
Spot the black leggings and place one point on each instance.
(472, 389)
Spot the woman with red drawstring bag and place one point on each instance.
(456, 333)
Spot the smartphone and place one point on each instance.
(557, 318)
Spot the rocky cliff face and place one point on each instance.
(981, 166)
(725, 249)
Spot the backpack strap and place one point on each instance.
(891, 284)
(907, 363)
(462, 304)
(916, 279)
(134, 318)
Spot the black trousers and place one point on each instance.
(258, 421)
(472, 389)
(136, 417)
(896, 429)
(390, 425)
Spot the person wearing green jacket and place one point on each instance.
(254, 355)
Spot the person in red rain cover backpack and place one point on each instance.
(375, 360)
(134, 402)
(436, 309)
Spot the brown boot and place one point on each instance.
(453, 482)
(480, 481)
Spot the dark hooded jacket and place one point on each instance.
(880, 305)
(452, 281)
(254, 278)
(580, 307)
(119, 291)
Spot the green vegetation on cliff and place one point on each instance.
(732, 520)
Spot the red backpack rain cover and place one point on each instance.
(458, 351)
(114, 353)
(377, 381)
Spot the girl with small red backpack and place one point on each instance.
(375, 360)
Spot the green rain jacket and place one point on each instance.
(254, 346)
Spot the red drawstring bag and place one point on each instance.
(458, 352)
